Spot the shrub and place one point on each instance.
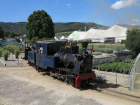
(80, 48)
(5, 54)
(16, 52)
(12, 48)
(121, 67)
(1, 50)
(133, 41)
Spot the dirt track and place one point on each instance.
(25, 86)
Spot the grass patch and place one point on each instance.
(107, 48)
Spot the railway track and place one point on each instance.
(120, 95)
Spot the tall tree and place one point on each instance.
(1, 33)
(133, 41)
(40, 24)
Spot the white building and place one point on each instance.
(116, 33)
(76, 35)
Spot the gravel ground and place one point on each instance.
(19, 88)
(22, 85)
(12, 61)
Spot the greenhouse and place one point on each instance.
(135, 75)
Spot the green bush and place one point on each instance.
(80, 48)
(12, 48)
(5, 54)
(1, 50)
(16, 52)
(120, 67)
(133, 41)
(107, 48)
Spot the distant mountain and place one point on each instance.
(14, 27)
(20, 27)
(72, 26)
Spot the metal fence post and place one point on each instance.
(116, 72)
(18, 60)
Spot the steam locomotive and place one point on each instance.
(63, 62)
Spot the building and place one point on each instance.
(76, 35)
(115, 33)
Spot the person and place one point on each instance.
(41, 50)
(85, 51)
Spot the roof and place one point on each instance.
(76, 35)
(57, 37)
(11, 40)
(115, 31)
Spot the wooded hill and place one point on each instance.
(60, 28)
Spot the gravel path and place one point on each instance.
(25, 86)
(19, 88)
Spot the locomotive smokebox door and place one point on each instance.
(71, 79)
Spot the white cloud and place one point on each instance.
(69, 5)
(124, 3)
(136, 20)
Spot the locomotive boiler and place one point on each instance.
(74, 62)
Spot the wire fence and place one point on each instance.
(10, 43)
(114, 61)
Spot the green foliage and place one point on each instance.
(80, 48)
(34, 38)
(123, 41)
(1, 50)
(16, 52)
(5, 54)
(40, 24)
(10, 34)
(12, 48)
(72, 26)
(1, 33)
(18, 28)
(120, 67)
(107, 48)
(133, 41)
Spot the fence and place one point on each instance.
(114, 61)
(135, 75)
(10, 43)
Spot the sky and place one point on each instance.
(104, 12)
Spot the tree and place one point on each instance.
(40, 24)
(1, 33)
(133, 41)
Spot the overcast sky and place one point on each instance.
(104, 12)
